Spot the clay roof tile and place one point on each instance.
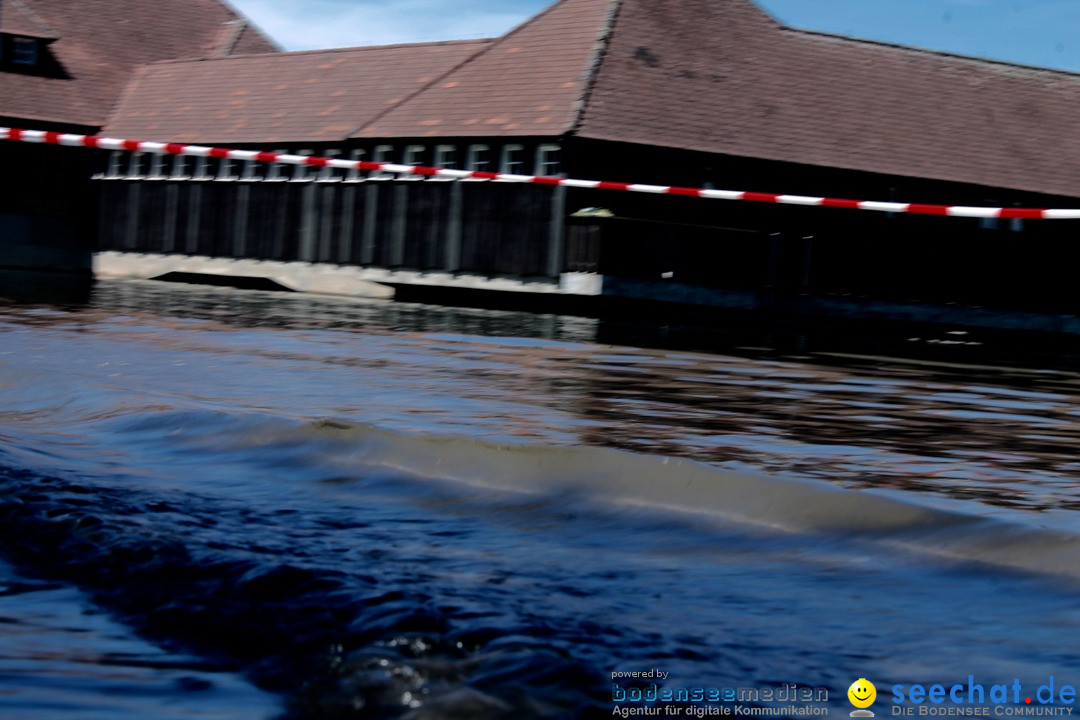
(96, 44)
(322, 95)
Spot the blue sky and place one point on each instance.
(1034, 32)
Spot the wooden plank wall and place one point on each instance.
(481, 227)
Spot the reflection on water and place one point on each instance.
(1005, 436)
(393, 510)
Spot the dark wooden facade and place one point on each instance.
(48, 206)
(289, 213)
(830, 252)
(661, 248)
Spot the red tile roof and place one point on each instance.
(529, 82)
(98, 45)
(322, 95)
(721, 76)
(17, 19)
(717, 76)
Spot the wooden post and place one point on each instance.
(278, 193)
(194, 218)
(452, 259)
(433, 229)
(306, 252)
(131, 222)
(348, 223)
(105, 226)
(240, 219)
(327, 191)
(172, 210)
(557, 232)
(397, 226)
(371, 212)
(152, 219)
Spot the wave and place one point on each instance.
(618, 478)
(330, 456)
(337, 639)
(352, 608)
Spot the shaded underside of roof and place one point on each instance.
(99, 44)
(317, 96)
(529, 82)
(721, 76)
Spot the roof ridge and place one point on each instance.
(249, 25)
(577, 115)
(584, 75)
(520, 27)
(495, 42)
(321, 51)
(488, 45)
(131, 86)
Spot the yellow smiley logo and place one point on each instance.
(862, 693)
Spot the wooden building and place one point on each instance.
(712, 93)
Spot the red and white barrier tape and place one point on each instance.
(157, 148)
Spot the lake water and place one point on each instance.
(225, 503)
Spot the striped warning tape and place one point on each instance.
(158, 148)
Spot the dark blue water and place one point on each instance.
(216, 503)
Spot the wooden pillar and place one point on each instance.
(557, 232)
(327, 191)
(348, 223)
(277, 192)
(308, 222)
(191, 246)
(371, 212)
(398, 224)
(240, 219)
(452, 259)
(433, 229)
(105, 228)
(131, 221)
(172, 210)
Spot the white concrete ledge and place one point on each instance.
(577, 283)
(301, 277)
(331, 279)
